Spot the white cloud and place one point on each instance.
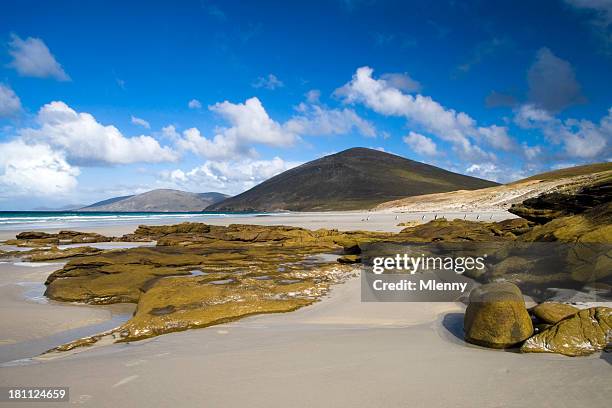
(528, 116)
(531, 152)
(141, 122)
(219, 147)
(316, 120)
(34, 170)
(227, 176)
(488, 171)
(313, 96)
(32, 58)
(497, 137)
(268, 82)
(422, 111)
(580, 138)
(402, 81)
(600, 12)
(552, 82)
(421, 144)
(194, 104)
(88, 142)
(251, 123)
(603, 8)
(9, 102)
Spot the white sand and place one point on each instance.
(337, 353)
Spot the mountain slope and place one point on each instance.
(162, 200)
(503, 197)
(357, 178)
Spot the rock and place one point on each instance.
(553, 312)
(550, 206)
(584, 333)
(349, 259)
(458, 231)
(496, 316)
(592, 226)
(38, 239)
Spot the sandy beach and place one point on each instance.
(337, 352)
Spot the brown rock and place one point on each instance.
(496, 316)
(553, 312)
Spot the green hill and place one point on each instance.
(356, 178)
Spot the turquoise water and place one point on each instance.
(26, 220)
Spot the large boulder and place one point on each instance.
(553, 312)
(585, 332)
(496, 316)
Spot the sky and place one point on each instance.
(101, 98)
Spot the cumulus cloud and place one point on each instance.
(140, 122)
(228, 176)
(316, 120)
(10, 104)
(421, 144)
(422, 111)
(219, 147)
(580, 138)
(270, 82)
(32, 58)
(531, 152)
(313, 96)
(249, 124)
(88, 142)
(402, 81)
(34, 170)
(194, 104)
(552, 82)
(488, 171)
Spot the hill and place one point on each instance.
(503, 197)
(161, 200)
(354, 179)
(570, 172)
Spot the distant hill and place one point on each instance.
(161, 200)
(67, 207)
(356, 178)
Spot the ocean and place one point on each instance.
(30, 220)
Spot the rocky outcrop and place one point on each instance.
(496, 316)
(553, 312)
(464, 231)
(583, 333)
(245, 250)
(38, 239)
(548, 207)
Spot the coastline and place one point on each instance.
(391, 354)
(341, 220)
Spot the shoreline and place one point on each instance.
(342, 220)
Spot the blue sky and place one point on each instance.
(99, 99)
